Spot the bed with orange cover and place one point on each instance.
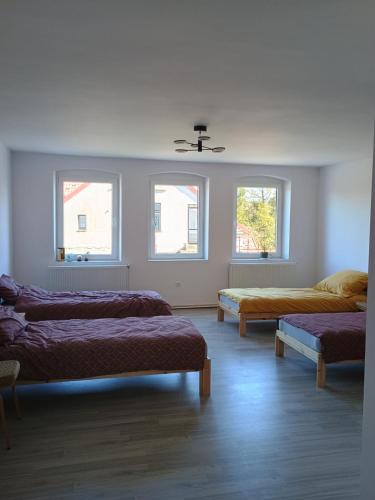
(338, 293)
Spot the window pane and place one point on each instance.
(192, 224)
(256, 229)
(178, 232)
(89, 203)
(157, 217)
(82, 223)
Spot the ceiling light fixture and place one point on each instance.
(198, 146)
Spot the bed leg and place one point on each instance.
(320, 373)
(205, 379)
(220, 314)
(242, 326)
(279, 347)
(3, 423)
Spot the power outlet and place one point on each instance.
(178, 284)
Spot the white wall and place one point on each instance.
(5, 212)
(33, 178)
(344, 216)
(368, 429)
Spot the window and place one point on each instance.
(192, 224)
(82, 222)
(87, 214)
(180, 234)
(258, 217)
(157, 217)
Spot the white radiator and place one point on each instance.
(88, 278)
(270, 274)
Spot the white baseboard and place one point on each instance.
(205, 306)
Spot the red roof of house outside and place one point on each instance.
(71, 189)
(245, 232)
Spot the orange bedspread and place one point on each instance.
(289, 300)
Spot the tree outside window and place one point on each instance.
(256, 229)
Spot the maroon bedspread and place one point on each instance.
(87, 348)
(40, 305)
(342, 335)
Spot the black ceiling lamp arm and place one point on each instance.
(198, 146)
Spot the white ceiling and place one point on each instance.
(283, 82)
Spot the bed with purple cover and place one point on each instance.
(324, 338)
(91, 348)
(39, 304)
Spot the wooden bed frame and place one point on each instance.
(204, 377)
(242, 317)
(282, 338)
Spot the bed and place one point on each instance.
(323, 338)
(60, 350)
(39, 304)
(337, 293)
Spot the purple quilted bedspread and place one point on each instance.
(75, 349)
(40, 305)
(342, 335)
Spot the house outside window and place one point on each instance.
(192, 224)
(181, 233)
(157, 217)
(83, 196)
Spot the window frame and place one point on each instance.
(266, 182)
(178, 179)
(91, 176)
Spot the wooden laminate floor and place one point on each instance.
(266, 432)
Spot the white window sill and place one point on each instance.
(259, 260)
(178, 260)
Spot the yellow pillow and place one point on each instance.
(345, 283)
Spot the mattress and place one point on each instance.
(40, 305)
(301, 335)
(74, 349)
(228, 302)
(280, 301)
(338, 336)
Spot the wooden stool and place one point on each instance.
(8, 375)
